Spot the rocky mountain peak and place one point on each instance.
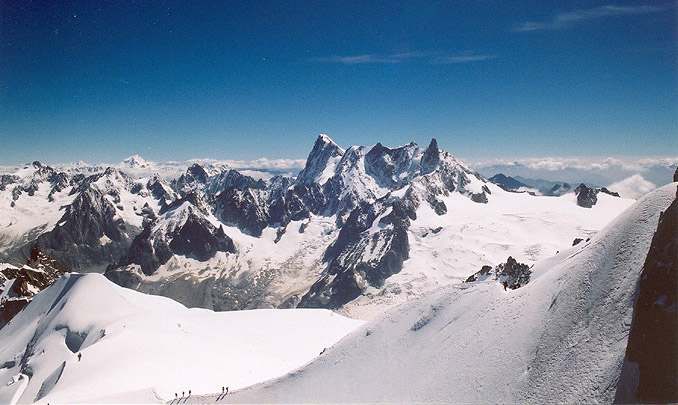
(197, 172)
(431, 157)
(323, 153)
(586, 196)
(194, 178)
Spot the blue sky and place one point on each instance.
(102, 80)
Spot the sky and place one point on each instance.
(173, 80)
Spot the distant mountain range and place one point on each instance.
(359, 229)
(630, 177)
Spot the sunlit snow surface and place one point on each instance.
(529, 228)
(141, 348)
(559, 339)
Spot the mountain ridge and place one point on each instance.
(339, 231)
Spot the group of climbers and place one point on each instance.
(224, 391)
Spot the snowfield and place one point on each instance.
(141, 348)
(446, 249)
(561, 338)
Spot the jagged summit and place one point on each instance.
(320, 161)
(326, 139)
(377, 167)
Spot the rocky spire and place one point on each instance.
(323, 150)
(431, 157)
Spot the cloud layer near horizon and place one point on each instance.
(633, 176)
(632, 187)
(638, 164)
(569, 19)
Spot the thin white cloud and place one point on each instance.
(281, 165)
(462, 59)
(632, 187)
(403, 58)
(369, 58)
(568, 19)
(268, 164)
(585, 164)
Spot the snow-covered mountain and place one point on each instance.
(560, 338)
(137, 348)
(361, 229)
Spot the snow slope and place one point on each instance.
(446, 249)
(141, 348)
(561, 338)
(34, 215)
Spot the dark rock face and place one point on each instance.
(198, 238)
(479, 197)
(650, 370)
(143, 253)
(234, 179)
(77, 239)
(363, 254)
(159, 191)
(297, 202)
(431, 157)
(484, 272)
(577, 241)
(512, 274)
(675, 175)
(438, 206)
(506, 182)
(244, 209)
(7, 179)
(586, 197)
(39, 273)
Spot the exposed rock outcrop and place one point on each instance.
(511, 274)
(19, 285)
(650, 370)
(587, 197)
